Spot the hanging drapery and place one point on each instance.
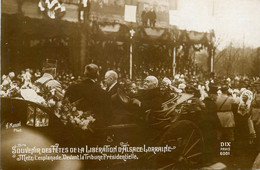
(113, 34)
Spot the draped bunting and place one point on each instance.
(104, 40)
(153, 35)
(114, 31)
(173, 36)
(111, 31)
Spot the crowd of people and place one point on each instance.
(229, 107)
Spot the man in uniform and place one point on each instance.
(224, 104)
(47, 82)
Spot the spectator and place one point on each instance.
(224, 103)
(47, 83)
(145, 17)
(152, 17)
(210, 124)
(167, 89)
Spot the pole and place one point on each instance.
(212, 61)
(132, 32)
(243, 54)
(173, 61)
(131, 60)
(229, 69)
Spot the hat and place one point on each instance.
(237, 78)
(235, 91)
(11, 74)
(213, 89)
(224, 88)
(219, 92)
(177, 76)
(182, 86)
(91, 71)
(166, 81)
(193, 90)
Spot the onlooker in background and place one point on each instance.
(167, 90)
(256, 112)
(210, 125)
(84, 7)
(244, 130)
(152, 17)
(224, 103)
(47, 83)
(144, 17)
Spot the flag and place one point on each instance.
(130, 13)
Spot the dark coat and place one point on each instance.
(120, 112)
(92, 98)
(166, 94)
(209, 125)
(151, 99)
(152, 16)
(113, 90)
(210, 115)
(144, 16)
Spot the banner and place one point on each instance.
(130, 13)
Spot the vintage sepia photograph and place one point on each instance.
(130, 84)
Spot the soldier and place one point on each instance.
(47, 82)
(224, 104)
